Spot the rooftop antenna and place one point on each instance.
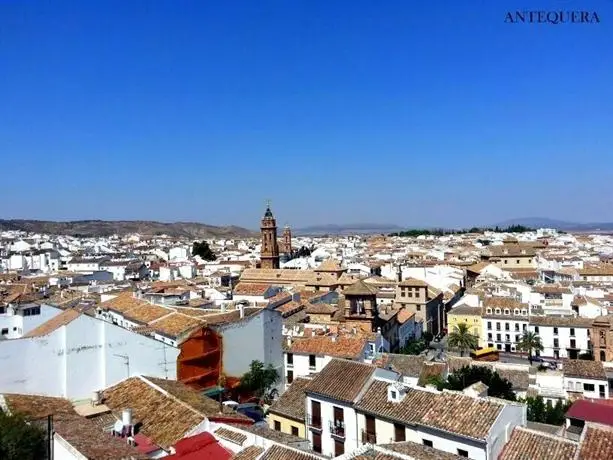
(127, 362)
(165, 362)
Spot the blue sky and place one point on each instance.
(407, 112)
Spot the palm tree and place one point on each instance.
(530, 342)
(462, 338)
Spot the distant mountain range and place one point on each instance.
(94, 228)
(543, 222)
(351, 229)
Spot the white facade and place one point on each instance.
(504, 331)
(590, 388)
(562, 341)
(81, 357)
(15, 321)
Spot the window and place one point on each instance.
(295, 430)
(311, 361)
(507, 311)
(516, 327)
(498, 338)
(290, 377)
(489, 325)
(588, 387)
(555, 331)
(399, 433)
(489, 311)
(462, 453)
(489, 336)
(601, 389)
(506, 326)
(497, 326)
(427, 442)
(290, 359)
(572, 331)
(277, 425)
(317, 442)
(5, 331)
(536, 329)
(393, 394)
(556, 343)
(524, 327)
(418, 307)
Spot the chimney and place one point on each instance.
(241, 309)
(126, 420)
(289, 340)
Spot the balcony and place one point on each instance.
(369, 437)
(314, 422)
(337, 429)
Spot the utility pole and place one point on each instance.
(127, 362)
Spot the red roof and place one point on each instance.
(200, 447)
(591, 412)
(144, 444)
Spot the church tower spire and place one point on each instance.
(269, 254)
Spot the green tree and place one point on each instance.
(498, 387)
(530, 342)
(462, 339)
(259, 379)
(202, 249)
(539, 411)
(413, 347)
(20, 440)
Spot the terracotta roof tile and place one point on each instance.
(164, 419)
(231, 435)
(584, 368)
(248, 453)
(92, 442)
(64, 318)
(327, 382)
(338, 347)
(176, 324)
(251, 289)
(291, 403)
(596, 443)
(419, 451)
(37, 406)
(526, 444)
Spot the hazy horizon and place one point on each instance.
(416, 114)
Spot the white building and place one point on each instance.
(76, 354)
(562, 336)
(585, 379)
(369, 405)
(19, 319)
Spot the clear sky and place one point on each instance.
(407, 112)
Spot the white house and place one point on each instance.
(75, 354)
(562, 336)
(586, 379)
(370, 405)
(19, 319)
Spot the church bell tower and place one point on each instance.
(269, 255)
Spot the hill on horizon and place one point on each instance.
(96, 228)
(544, 222)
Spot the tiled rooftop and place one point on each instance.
(64, 318)
(596, 442)
(335, 346)
(584, 369)
(328, 383)
(165, 420)
(291, 403)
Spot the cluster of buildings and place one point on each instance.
(130, 343)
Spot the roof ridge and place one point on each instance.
(170, 395)
(546, 435)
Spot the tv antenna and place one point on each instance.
(165, 362)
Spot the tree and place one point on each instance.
(498, 387)
(259, 379)
(530, 342)
(20, 440)
(203, 250)
(540, 412)
(413, 347)
(462, 338)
